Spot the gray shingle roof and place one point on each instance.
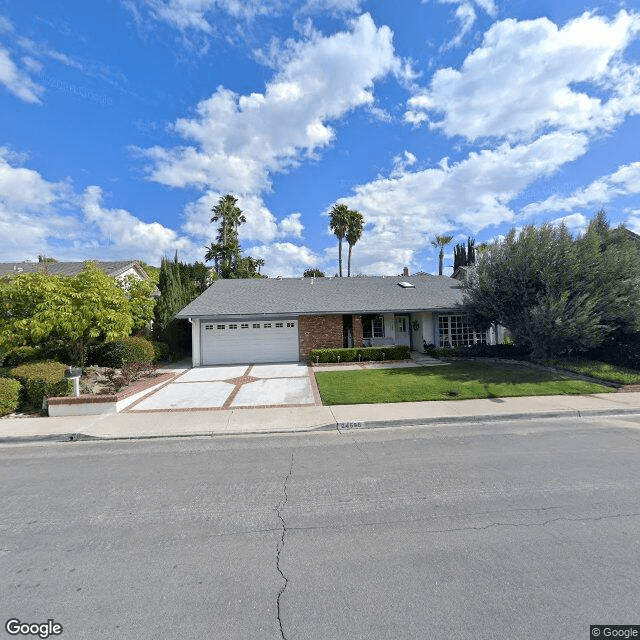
(272, 296)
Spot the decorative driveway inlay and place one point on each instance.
(235, 386)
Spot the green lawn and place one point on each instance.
(600, 370)
(455, 381)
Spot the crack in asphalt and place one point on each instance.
(280, 545)
(472, 528)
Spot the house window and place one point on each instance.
(372, 326)
(456, 331)
(244, 325)
(233, 326)
(208, 327)
(279, 325)
(266, 325)
(290, 324)
(256, 325)
(401, 324)
(220, 326)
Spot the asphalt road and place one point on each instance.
(507, 530)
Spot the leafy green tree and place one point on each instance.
(141, 302)
(313, 273)
(557, 295)
(442, 242)
(355, 228)
(339, 224)
(77, 310)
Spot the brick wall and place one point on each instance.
(317, 332)
(357, 331)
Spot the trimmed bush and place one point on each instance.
(42, 379)
(161, 351)
(9, 395)
(20, 355)
(620, 349)
(119, 353)
(393, 352)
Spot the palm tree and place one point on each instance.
(354, 233)
(442, 242)
(339, 224)
(230, 217)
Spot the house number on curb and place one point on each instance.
(354, 424)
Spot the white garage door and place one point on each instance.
(249, 341)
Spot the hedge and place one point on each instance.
(43, 379)
(20, 355)
(362, 354)
(9, 395)
(161, 350)
(503, 351)
(119, 353)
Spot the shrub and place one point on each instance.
(43, 379)
(505, 351)
(57, 350)
(9, 395)
(161, 351)
(118, 353)
(394, 352)
(20, 355)
(619, 348)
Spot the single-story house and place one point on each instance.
(283, 319)
(116, 269)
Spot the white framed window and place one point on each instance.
(266, 325)
(220, 326)
(279, 325)
(256, 325)
(233, 326)
(372, 326)
(244, 325)
(290, 324)
(401, 324)
(456, 331)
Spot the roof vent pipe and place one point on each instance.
(405, 272)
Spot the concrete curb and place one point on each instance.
(331, 426)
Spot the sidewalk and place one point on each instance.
(312, 418)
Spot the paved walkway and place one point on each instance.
(292, 419)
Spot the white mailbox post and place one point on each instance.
(74, 373)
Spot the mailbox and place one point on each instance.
(73, 372)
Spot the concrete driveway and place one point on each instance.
(235, 386)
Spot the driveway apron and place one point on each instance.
(234, 386)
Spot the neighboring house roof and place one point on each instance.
(113, 269)
(318, 296)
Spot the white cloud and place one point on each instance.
(18, 82)
(42, 217)
(240, 140)
(128, 235)
(466, 16)
(261, 225)
(624, 181)
(332, 6)
(404, 212)
(198, 15)
(25, 189)
(576, 223)
(285, 259)
(524, 77)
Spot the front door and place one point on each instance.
(402, 330)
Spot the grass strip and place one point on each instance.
(453, 381)
(599, 370)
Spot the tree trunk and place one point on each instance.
(349, 262)
(441, 261)
(340, 256)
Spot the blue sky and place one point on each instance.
(124, 122)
